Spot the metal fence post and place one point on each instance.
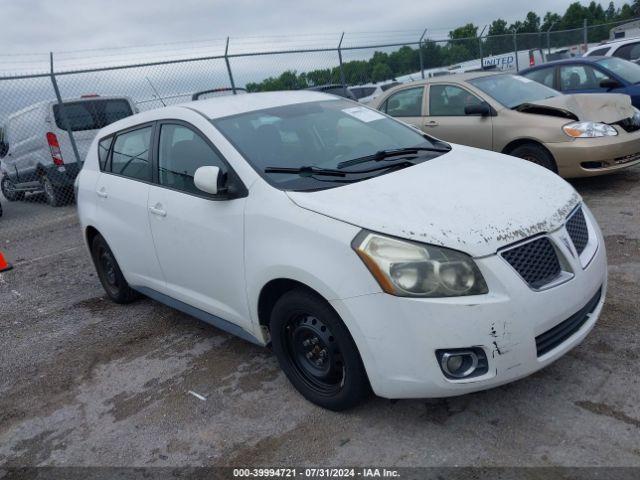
(226, 60)
(480, 48)
(342, 79)
(585, 35)
(420, 53)
(515, 49)
(63, 113)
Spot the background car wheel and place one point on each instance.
(9, 190)
(55, 196)
(109, 272)
(316, 351)
(536, 154)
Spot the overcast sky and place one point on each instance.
(40, 25)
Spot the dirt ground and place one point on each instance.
(86, 382)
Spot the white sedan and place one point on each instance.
(368, 255)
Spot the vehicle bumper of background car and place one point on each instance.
(398, 336)
(584, 157)
(63, 176)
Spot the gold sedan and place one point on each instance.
(573, 135)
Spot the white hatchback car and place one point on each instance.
(367, 254)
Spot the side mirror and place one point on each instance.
(208, 179)
(609, 83)
(483, 109)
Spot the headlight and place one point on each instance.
(589, 130)
(410, 269)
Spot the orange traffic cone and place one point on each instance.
(4, 265)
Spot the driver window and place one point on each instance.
(580, 77)
(182, 151)
(450, 101)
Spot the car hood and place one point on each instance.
(597, 107)
(470, 200)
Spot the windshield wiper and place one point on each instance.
(384, 154)
(309, 171)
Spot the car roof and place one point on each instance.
(592, 59)
(224, 106)
(453, 78)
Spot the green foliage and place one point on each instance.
(463, 45)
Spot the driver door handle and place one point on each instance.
(431, 123)
(157, 210)
(102, 193)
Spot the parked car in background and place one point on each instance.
(590, 75)
(37, 152)
(626, 49)
(367, 92)
(573, 135)
(297, 219)
(334, 89)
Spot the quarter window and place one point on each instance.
(447, 100)
(130, 156)
(405, 103)
(182, 151)
(103, 151)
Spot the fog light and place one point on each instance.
(462, 362)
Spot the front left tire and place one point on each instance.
(316, 351)
(109, 272)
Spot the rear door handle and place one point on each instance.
(431, 123)
(102, 193)
(157, 210)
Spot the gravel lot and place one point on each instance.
(86, 382)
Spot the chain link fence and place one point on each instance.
(52, 106)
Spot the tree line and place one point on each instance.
(463, 44)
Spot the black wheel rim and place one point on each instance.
(7, 188)
(107, 268)
(314, 353)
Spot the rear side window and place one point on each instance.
(598, 52)
(182, 151)
(91, 114)
(543, 75)
(103, 151)
(130, 157)
(405, 103)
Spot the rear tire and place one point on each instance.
(316, 351)
(9, 190)
(109, 272)
(536, 154)
(55, 196)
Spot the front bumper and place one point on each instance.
(397, 337)
(585, 157)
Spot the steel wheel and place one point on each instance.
(314, 353)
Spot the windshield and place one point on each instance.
(513, 90)
(92, 114)
(626, 70)
(321, 134)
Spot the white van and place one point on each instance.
(36, 150)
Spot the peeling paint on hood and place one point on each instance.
(596, 107)
(469, 199)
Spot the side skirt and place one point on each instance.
(214, 320)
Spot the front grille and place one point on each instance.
(535, 261)
(547, 341)
(577, 229)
